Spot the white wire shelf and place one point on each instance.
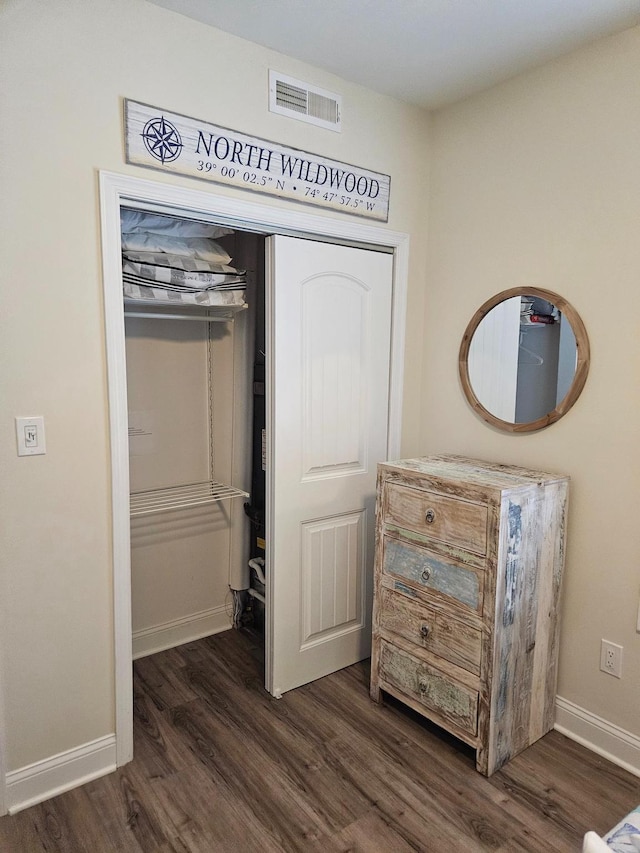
(181, 497)
(143, 309)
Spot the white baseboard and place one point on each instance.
(45, 779)
(60, 773)
(157, 638)
(600, 736)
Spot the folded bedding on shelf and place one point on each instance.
(133, 221)
(169, 261)
(145, 274)
(181, 263)
(228, 282)
(188, 247)
(177, 276)
(178, 296)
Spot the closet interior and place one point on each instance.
(195, 355)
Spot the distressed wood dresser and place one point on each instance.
(469, 560)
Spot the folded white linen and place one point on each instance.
(195, 280)
(140, 220)
(178, 262)
(162, 296)
(223, 282)
(191, 247)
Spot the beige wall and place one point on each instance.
(65, 66)
(537, 182)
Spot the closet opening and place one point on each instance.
(333, 295)
(194, 309)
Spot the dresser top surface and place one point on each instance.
(465, 469)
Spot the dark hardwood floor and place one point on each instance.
(222, 766)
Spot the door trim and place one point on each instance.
(116, 190)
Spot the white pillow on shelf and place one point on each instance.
(190, 247)
(140, 220)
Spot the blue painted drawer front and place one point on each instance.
(431, 571)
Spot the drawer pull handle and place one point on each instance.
(430, 516)
(426, 574)
(424, 631)
(423, 686)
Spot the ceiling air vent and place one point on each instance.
(298, 100)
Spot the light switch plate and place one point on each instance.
(30, 435)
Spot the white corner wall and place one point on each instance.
(537, 182)
(65, 67)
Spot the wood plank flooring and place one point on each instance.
(222, 766)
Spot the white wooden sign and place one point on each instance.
(159, 139)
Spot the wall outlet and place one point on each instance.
(611, 658)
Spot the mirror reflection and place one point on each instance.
(522, 359)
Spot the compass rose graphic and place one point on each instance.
(162, 140)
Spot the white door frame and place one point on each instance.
(117, 189)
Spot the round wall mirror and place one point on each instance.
(524, 359)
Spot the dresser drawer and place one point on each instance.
(448, 520)
(439, 693)
(433, 572)
(434, 631)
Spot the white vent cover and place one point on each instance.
(303, 102)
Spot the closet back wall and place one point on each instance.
(179, 560)
(65, 67)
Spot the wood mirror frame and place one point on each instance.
(582, 359)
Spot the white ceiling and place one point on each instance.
(425, 52)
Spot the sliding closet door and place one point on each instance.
(329, 319)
